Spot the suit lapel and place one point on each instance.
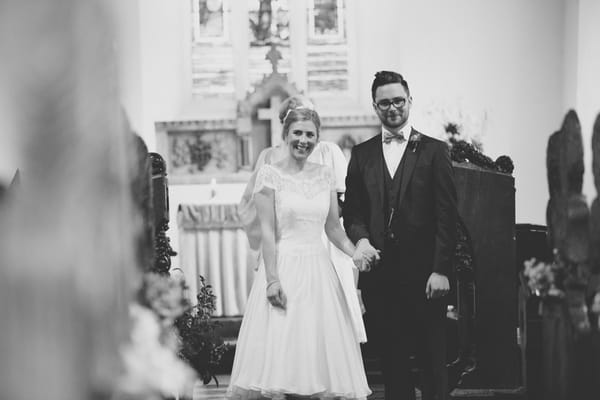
(411, 156)
(375, 170)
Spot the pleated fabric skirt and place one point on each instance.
(310, 348)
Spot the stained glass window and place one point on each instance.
(326, 19)
(212, 53)
(327, 49)
(268, 22)
(211, 21)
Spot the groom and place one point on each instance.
(401, 201)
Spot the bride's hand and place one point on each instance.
(358, 260)
(361, 261)
(275, 295)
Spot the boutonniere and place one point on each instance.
(414, 140)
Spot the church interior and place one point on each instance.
(130, 130)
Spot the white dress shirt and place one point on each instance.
(394, 150)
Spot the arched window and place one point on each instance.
(327, 47)
(212, 52)
(268, 22)
(230, 39)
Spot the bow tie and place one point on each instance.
(389, 136)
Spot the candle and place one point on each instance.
(213, 187)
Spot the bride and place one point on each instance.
(326, 153)
(297, 336)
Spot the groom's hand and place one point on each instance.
(365, 256)
(437, 286)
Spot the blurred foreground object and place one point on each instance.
(67, 262)
(570, 284)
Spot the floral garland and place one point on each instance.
(462, 151)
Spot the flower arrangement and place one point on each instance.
(153, 369)
(461, 151)
(542, 278)
(201, 346)
(558, 281)
(165, 296)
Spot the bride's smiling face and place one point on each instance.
(301, 139)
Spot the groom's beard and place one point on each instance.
(394, 120)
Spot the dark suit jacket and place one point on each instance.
(426, 215)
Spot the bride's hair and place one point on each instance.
(297, 108)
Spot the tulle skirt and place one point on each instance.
(309, 349)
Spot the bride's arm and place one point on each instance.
(265, 207)
(337, 236)
(334, 230)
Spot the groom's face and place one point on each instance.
(392, 105)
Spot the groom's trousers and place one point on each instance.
(402, 324)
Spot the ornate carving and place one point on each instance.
(246, 108)
(191, 151)
(164, 251)
(340, 121)
(159, 166)
(141, 190)
(273, 56)
(275, 83)
(228, 124)
(464, 367)
(197, 152)
(162, 246)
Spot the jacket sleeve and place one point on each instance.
(445, 203)
(355, 205)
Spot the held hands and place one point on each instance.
(275, 295)
(365, 256)
(437, 286)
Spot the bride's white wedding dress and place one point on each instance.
(311, 347)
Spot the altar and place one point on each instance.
(210, 162)
(214, 245)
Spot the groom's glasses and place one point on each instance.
(385, 104)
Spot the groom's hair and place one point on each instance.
(387, 77)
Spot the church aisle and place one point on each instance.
(214, 392)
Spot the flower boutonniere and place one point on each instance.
(414, 140)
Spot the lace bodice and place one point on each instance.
(301, 203)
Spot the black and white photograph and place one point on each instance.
(299, 199)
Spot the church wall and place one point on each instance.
(162, 60)
(499, 68)
(495, 66)
(128, 48)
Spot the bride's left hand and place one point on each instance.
(275, 295)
